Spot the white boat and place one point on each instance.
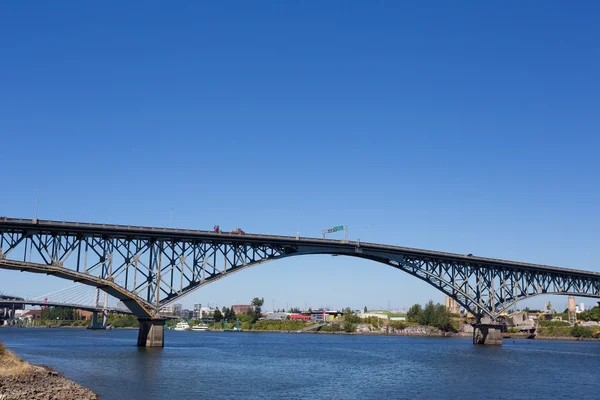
(200, 328)
(182, 326)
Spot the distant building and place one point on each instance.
(374, 315)
(277, 316)
(299, 317)
(324, 315)
(591, 324)
(32, 315)
(522, 320)
(166, 310)
(85, 315)
(203, 312)
(242, 308)
(197, 311)
(177, 308)
(452, 305)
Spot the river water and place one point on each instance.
(226, 365)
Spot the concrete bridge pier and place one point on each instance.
(487, 332)
(98, 324)
(151, 333)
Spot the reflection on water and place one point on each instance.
(281, 365)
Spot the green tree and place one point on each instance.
(578, 331)
(365, 310)
(593, 314)
(257, 304)
(435, 315)
(122, 320)
(414, 313)
(442, 318)
(217, 315)
(428, 315)
(58, 313)
(229, 314)
(349, 320)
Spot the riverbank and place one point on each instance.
(572, 338)
(22, 381)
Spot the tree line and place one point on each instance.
(435, 315)
(227, 314)
(63, 314)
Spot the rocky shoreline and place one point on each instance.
(22, 381)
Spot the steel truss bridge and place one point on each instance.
(147, 268)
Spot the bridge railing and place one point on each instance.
(377, 246)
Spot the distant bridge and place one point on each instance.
(79, 297)
(10, 303)
(147, 268)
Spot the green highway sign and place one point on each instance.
(334, 229)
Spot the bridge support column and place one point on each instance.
(487, 332)
(97, 324)
(151, 333)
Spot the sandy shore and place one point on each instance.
(22, 381)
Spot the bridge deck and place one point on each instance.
(127, 231)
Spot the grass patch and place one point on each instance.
(11, 364)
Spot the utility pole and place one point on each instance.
(37, 207)
(171, 217)
(37, 204)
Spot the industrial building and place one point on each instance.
(242, 308)
(452, 305)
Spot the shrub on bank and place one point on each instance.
(554, 323)
(398, 325)
(584, 332)
(1, 349)
(122, 321)
(276, 325)
(554, 331)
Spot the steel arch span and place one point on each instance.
(147, 268)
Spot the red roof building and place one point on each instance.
(299, 317)
(32, 314)
(241, 308)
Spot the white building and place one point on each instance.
(277, 315)
(367, 315)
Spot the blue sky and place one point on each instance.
(470, 128)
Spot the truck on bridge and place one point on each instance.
(236, 231)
